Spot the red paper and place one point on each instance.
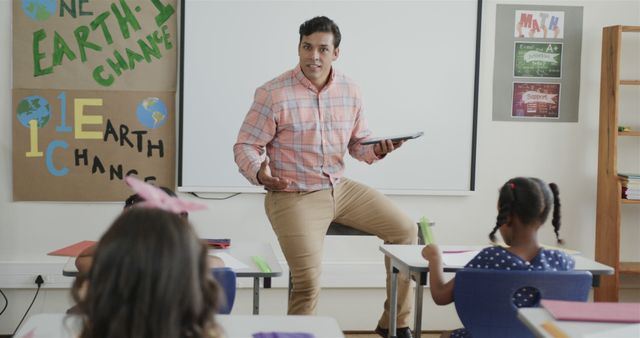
(593, 312)
(72, 250)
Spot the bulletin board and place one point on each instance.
(537, 63)
(93, 97)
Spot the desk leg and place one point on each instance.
(595, 281)
(393, 308)
(267, 283)
(256, 295)
(421, 282)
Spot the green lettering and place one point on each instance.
(61, 48)
(157, 37)
(82, 12)
(166, 37)
(38, 36)
(99, 21)
(127, 18)
(148, 51)
(119, 65)
(71, 10)
(82, 33)
(164, 12)
(97, 75)
(133, 58)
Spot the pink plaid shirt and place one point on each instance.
(306, 132)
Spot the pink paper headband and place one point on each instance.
(154, 197)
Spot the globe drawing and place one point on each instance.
(33, 108)
(39, 10)
(152, 112)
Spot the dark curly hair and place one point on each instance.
(530, 199)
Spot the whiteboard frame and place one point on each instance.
(259, 189)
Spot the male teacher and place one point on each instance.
(293, 141)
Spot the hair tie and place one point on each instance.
(512, 185)
(153, 197)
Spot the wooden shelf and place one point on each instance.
(630, 268)
(609, 203)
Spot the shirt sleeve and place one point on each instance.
(257, 130)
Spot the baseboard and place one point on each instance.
(22, 275)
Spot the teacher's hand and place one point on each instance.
(270, 182)
(385, 147)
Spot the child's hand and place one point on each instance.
(431, 253)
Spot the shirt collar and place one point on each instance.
(299, 75)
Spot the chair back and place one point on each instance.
(484, 298)
(226, 279)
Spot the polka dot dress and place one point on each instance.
(498, 258)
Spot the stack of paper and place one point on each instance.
(630, 186)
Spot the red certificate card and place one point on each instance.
(72, 250)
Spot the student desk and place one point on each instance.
(243, 252)
(408, 259)
(59, 325)
(534, 318)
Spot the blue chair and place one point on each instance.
(484, 298)
(226, 279)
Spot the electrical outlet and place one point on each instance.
(39, 280)
(22, 275)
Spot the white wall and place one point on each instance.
(565, 153)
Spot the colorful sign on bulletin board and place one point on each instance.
(537, 63)
(94, 86)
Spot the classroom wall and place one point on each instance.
(565, 153)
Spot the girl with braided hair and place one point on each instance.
(524, 204)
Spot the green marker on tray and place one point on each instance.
(261, 263)
(425, 230)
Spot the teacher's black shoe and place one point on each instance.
(401, 332)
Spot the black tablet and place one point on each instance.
(394, 138)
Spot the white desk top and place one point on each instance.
(534, 318)
(242, 251)
(244, 326)
(409, 257)
(58, 325)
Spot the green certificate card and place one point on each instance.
(537, 59)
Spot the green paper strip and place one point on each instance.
(425, 230)
(261, 263)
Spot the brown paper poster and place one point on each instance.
(95, 44)
(93, 97)
(71, 145)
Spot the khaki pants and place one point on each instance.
(301, 219)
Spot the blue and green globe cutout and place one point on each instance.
(39, 10)
(33, 108)
(152, 112)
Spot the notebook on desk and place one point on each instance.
(593, 312)
(72, 250)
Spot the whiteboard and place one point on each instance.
(415, 61)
